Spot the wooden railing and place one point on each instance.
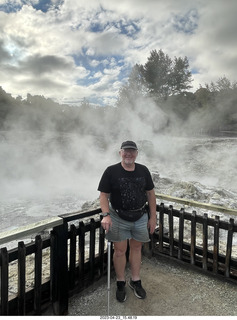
(196, 204)
(197, 239)
(65, 277)
(73, 255)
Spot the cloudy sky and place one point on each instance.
(74, 49)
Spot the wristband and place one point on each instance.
(105, 214)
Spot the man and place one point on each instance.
(125, 188)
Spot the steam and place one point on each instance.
(57, 163)
(50, 164)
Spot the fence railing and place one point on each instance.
(50, 269)
(196, 204)
(65, 262)
(197, 239)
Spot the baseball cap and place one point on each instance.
(129, 145)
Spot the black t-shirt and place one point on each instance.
(127, 188)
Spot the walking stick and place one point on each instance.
(108, 272)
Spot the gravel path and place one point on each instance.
(173, 289)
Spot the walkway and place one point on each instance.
(173, 289)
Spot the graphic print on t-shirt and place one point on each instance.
(133, 193)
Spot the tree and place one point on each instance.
(203, 97)
(157, 74)
(220, 86)
(134, 89)
(164, 76)
(181, 76)
(158, 79)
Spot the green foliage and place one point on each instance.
(157, 73)
(36, 113)
(167, 82)
(222, 84)
(133, 90)
(181, 76)
(159, 78)
(156, 94)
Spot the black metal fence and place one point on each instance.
(74, 255)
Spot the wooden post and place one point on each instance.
(21, 278)
(193, 237)
(72, 260)
(101, 248)
(171, 230)
(229, 247)
(205, 237)
(216, 244)
(181, 234)
(81, 253)
(161, 227)
(53, 269)
(4, 281)
(92, 249)
(38, 275)
(60, 270)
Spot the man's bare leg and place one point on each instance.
(119, 259)
(135, 258)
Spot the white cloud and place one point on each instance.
(98, 75)
(79, 41)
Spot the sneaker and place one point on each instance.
(121, 291)
(137, 289)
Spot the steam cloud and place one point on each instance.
(51, 164)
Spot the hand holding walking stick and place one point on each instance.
(108, 273)
(108, 269)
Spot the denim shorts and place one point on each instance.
(123, 230)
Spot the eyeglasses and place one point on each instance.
(129, 150)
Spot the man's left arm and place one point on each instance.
(151, 197)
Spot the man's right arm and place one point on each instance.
(104, 202)
(106, 222)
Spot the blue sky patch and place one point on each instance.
(195, 71)
(42, 5)
(186, 23)
(10, 6)
(129, 28)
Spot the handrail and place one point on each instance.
(36, 227)
(80, 214)
(24, 231)
(193, 203)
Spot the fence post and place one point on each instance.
(92, 249)
(193, 237)
(181, 234)
(4, 281)
(161, 227)
(21, 278)
(59, 269)
(171, 230)
(81, 254)
(229, 247)
(101, 248)
(216, 244)
(72, 260)
(205, 237)
(38, 275)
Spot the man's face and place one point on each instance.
(128, 155)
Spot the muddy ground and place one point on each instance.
(173, 289)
